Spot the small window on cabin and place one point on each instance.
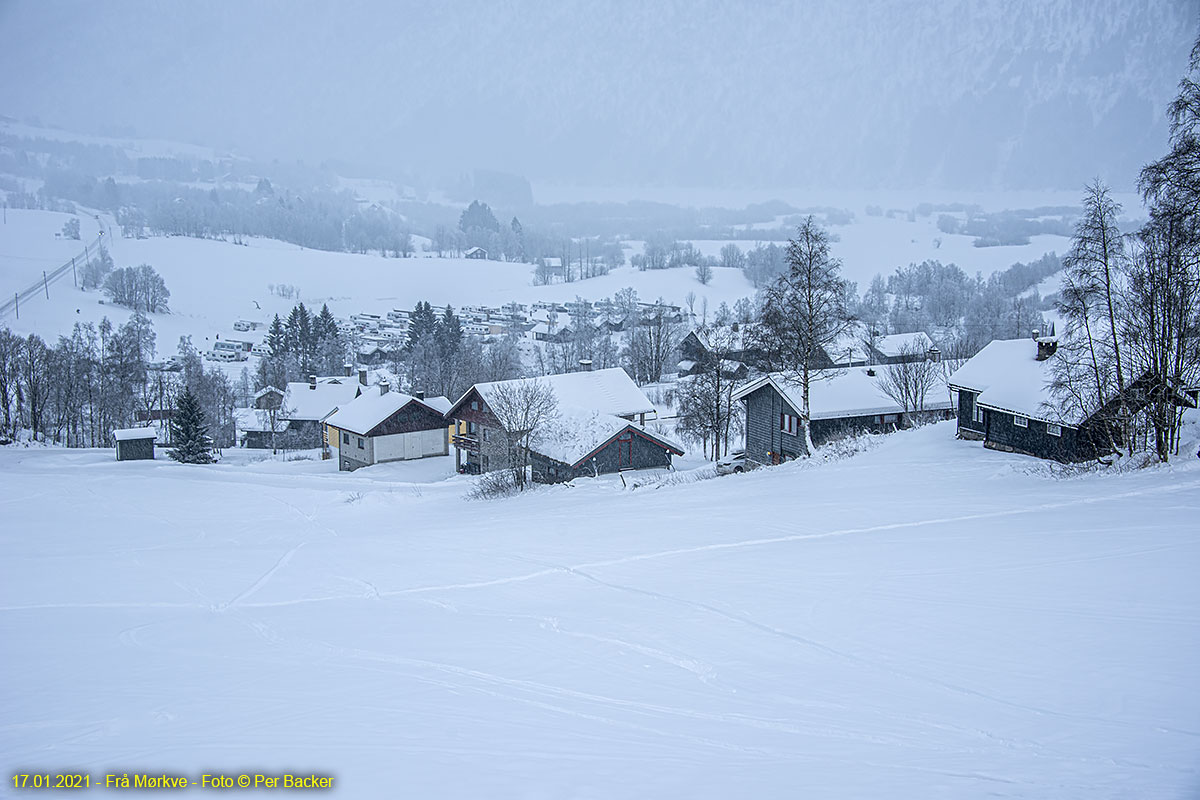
(1053, 430)
(789, 423)
(474, 405)
(345, 438)
(1020, 422)
(977, 415)
(360, 444)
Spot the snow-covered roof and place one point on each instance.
(126, 434)
(608, 391)
(258, 420)
(725, 335)
(303, 402)
(373, 407)
(849, 348)
(1008, 377)
(852, 392)
(575, 433)
(265, 391)
(898, 343)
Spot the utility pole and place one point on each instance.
(46, 284)
(74, 279)
(17, 303)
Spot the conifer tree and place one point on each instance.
(189, 432)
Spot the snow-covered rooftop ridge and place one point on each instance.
(1008, 377)
(851, 392)
(897, 343)
(608, 391)
(126, 434)
(302, 401)
(373, 406)
(258, 420)
(576, 432)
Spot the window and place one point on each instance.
(977, 414)
(474, 405)
(360, 443)
(485, 436)
(789, 423)
(1020, 422)
(1053, 430)
(345, 438)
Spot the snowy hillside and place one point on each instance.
(928, 619)
(213, 283)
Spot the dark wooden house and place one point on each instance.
(476, 252)
(381, 425)
(135, 444)
(478, 434)
(841, 402)
(1005, 400)
(582, 444)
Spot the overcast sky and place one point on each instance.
(977, 94)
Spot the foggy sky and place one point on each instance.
(971, 95)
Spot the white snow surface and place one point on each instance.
(608, 391)
(977, 629)
(840, 393)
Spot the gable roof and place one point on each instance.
(834, 394)
(895, 344)
(128, 434)
(303, 402)
(372, 407)
(574, 435)
(608, 391)
(257, 420)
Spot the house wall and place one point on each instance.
(1003, 434)
(135, 449)
(968, 428)
(823, 430)
(763, 435)
(644, 454)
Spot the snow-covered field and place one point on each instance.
(927, 619)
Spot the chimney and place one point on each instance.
(362, 375)
(1036, 334)
(935, 355)
(585, 365)
(347, 369)
(1046, 347)
(419, 395)
(384, 387)
(312, 382)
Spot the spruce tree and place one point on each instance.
(190, 434)
(421, 324)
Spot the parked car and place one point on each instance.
(735, 462)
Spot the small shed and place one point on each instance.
(476, 252)
(134, 444)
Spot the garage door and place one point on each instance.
(434, 441)
(412, 445)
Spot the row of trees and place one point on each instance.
(306, 344)
(76, 391)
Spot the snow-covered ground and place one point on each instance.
(926, 619)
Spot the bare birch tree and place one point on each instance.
(806, 310)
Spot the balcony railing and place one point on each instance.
(465, 442)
